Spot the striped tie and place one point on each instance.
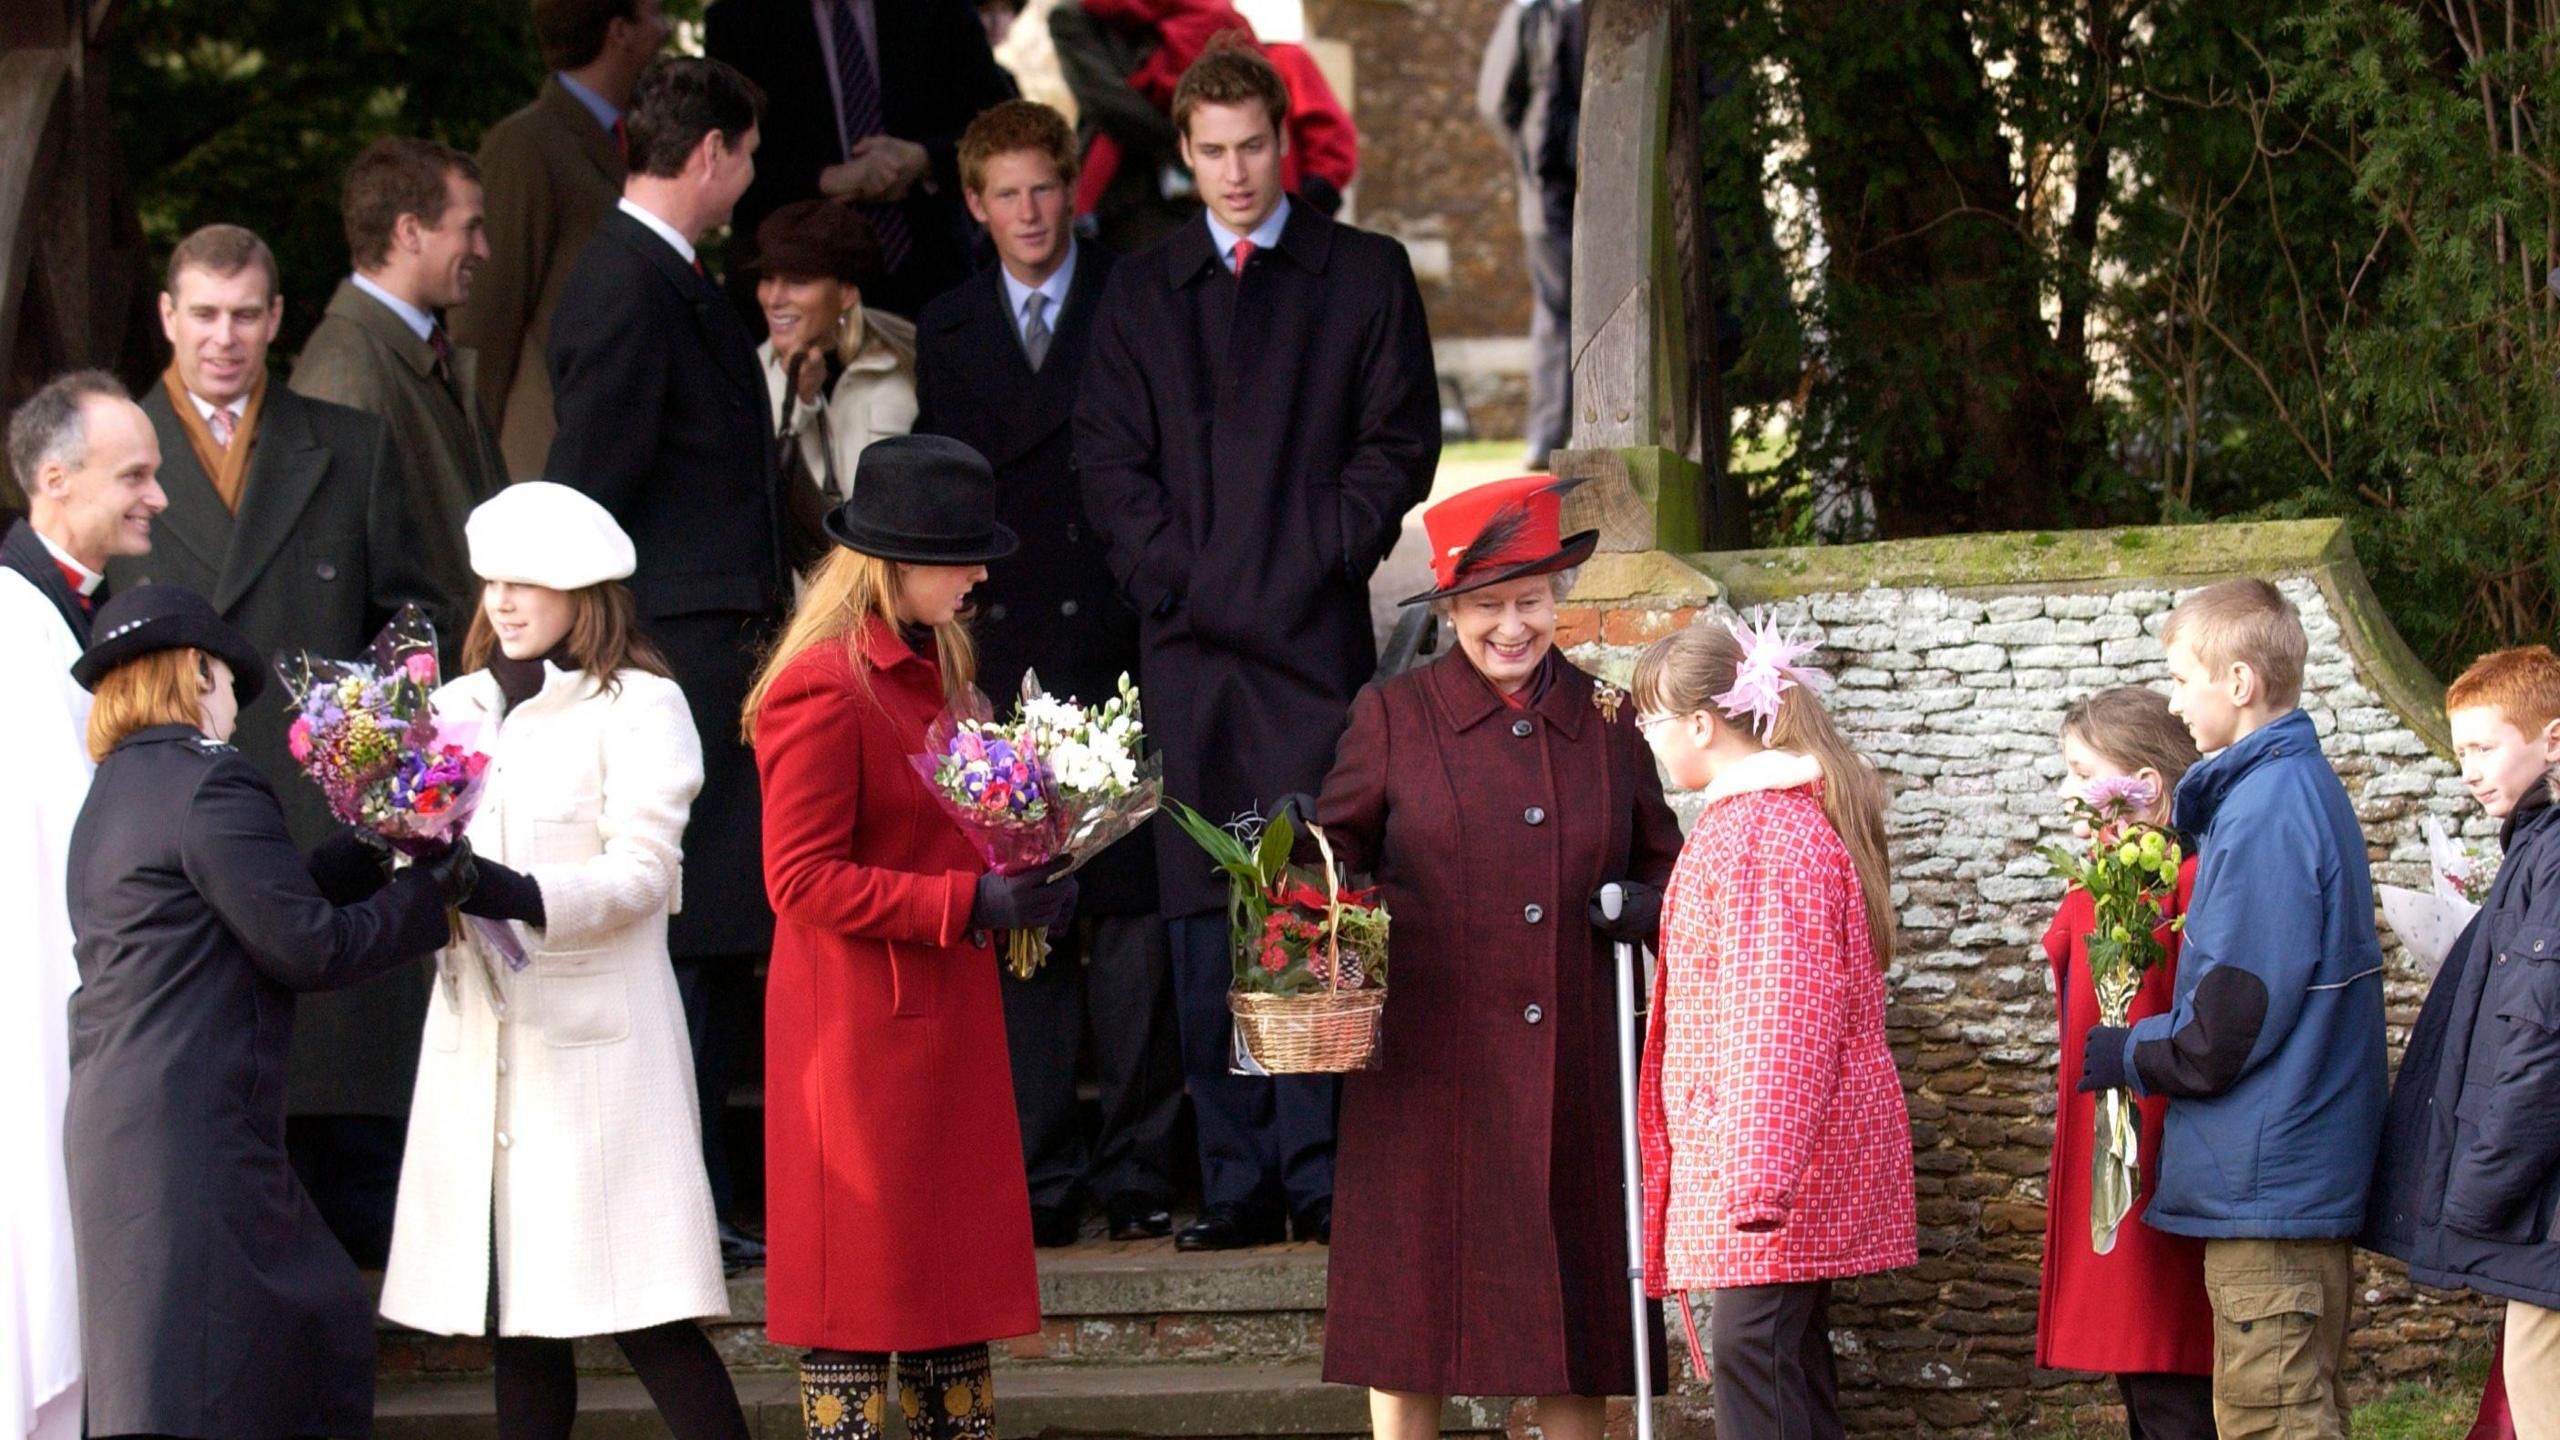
(862, 113)
(221, 423)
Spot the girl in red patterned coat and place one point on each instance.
(2137, 1312)
(1776, 1144)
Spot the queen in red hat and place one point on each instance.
(1479, 1245)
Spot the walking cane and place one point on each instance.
(1613, 901)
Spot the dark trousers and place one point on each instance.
(1263, 1141)
(1770, 1358)
(1104, 987)
(2167, 1407)
(1550, 415)
(719, 993)
(350, 1164)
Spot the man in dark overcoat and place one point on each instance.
(868, 99)
(1259, 410)
(288, 514)
(413, 219)
(997, 361)
(662, 415)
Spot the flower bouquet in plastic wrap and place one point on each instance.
(366, 731)
(1310, 951)
(2429, 921)
(2130, 870)
(1048, 789)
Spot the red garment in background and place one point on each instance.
(2494, 1423)
(1322, 139)
(2140, 1308)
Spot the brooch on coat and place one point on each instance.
(1607, 698)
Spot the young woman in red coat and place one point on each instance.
(2138, 1312)
(1777, 1146)
(896, 1209)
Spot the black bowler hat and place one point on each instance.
(151, 618)
(923, 499)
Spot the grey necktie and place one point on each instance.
(1035, 329)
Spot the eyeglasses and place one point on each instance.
(1647, 724)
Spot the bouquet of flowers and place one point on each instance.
(366, 731)
(1053, 787)
(2429, 921)
(1310, 952)
(2130, 871)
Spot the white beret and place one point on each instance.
(537, 532)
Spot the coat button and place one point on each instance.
(1533, 1014)
(1067, 607)
(502, 1064)
(1523, 729)
(1533, 913)
(995, 612)
(325, 570)
(1535, 815)
(503, 1142)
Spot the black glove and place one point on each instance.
(1639, 919)
(1029, 901)
(1299, 806)
(350, 865)
(454, 873)
(504, 894)
(2102, 1064)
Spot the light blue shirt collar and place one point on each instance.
(596, 104)
(416, 319)
(1017, 295)
(1264, 236)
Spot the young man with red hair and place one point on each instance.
(2470, 1169)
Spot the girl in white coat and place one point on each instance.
(553, 1186)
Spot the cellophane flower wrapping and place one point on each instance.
(1103, 782)
(2430, 921)
(365, 730)
(2130, 869)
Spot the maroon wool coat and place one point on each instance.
(1479, 1238)
(895, 1203)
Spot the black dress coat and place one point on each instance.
(936, 75)
(1479, 1244)
(213, 1301)
(321, 554)
(21, 550)
(1249, 447)
(664, 419)
(2469, 1176)
(1051, 607)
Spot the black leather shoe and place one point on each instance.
(739, 1251)
(1053, 1226)
(1135, 1217)
(1225, 1226)
(1314, 1222)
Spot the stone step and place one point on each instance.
(1102, 1303)
(1195, 1402)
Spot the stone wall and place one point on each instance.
(1955, 660)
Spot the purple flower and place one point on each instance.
(2121, 793)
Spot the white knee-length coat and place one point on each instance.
(566, 1091)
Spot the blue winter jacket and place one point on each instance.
(2273, 1057)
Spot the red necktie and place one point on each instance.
(75, 580)
(622, 142)
(1243, 252)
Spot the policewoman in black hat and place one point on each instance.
(896, 1211)
(213, 1300)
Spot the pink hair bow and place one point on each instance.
(1768, 670)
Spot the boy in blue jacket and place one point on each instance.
(2470, 1170)
(2273, 1057)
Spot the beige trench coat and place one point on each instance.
(565, 1090)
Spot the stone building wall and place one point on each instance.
(1955, 660)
